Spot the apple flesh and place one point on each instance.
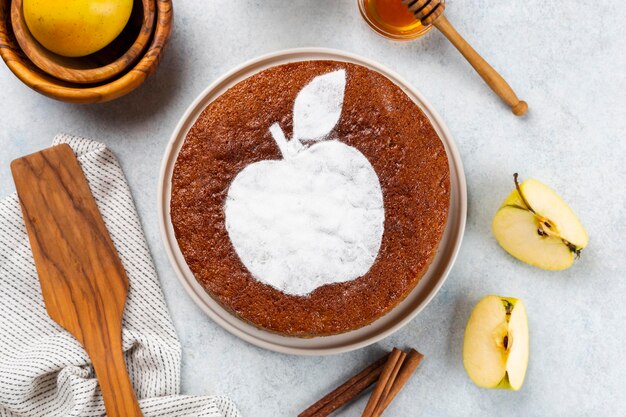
(537, 227)
(496, 343)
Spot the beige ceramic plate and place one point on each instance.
(394, 320)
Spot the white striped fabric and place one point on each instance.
(43, 370)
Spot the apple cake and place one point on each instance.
(310, 198)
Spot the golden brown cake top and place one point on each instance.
(377, 121)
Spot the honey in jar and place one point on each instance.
(391, 19)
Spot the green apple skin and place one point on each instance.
(496, 343)
(75, 28)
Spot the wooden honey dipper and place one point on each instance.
(430, 12)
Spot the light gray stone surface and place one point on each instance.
(567, 59)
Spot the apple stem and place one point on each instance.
(280, 139)
(519, 191)
(287, 148)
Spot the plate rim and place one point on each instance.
(164, 183)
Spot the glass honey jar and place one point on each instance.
(391, 19)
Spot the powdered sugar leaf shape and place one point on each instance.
(318, 106)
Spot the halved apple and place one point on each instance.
(496, 343)
(537, 227)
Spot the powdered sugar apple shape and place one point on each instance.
(316, 217)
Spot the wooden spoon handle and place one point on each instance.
(486, 71)
(105, 351)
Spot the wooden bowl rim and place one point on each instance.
(63, 91)
(76, 75)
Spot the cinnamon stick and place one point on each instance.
(391, 380)
(409, 366)
(347, 391)
(387, 372)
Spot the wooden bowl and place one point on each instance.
(52, 87)
(100, 66)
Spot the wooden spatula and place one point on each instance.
(83, 282)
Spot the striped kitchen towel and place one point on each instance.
(43, 370)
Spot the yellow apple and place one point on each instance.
(537, 227)
(496, 343)
(76, 28)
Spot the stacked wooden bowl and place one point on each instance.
(105, 75)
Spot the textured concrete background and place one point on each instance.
(569, 67)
